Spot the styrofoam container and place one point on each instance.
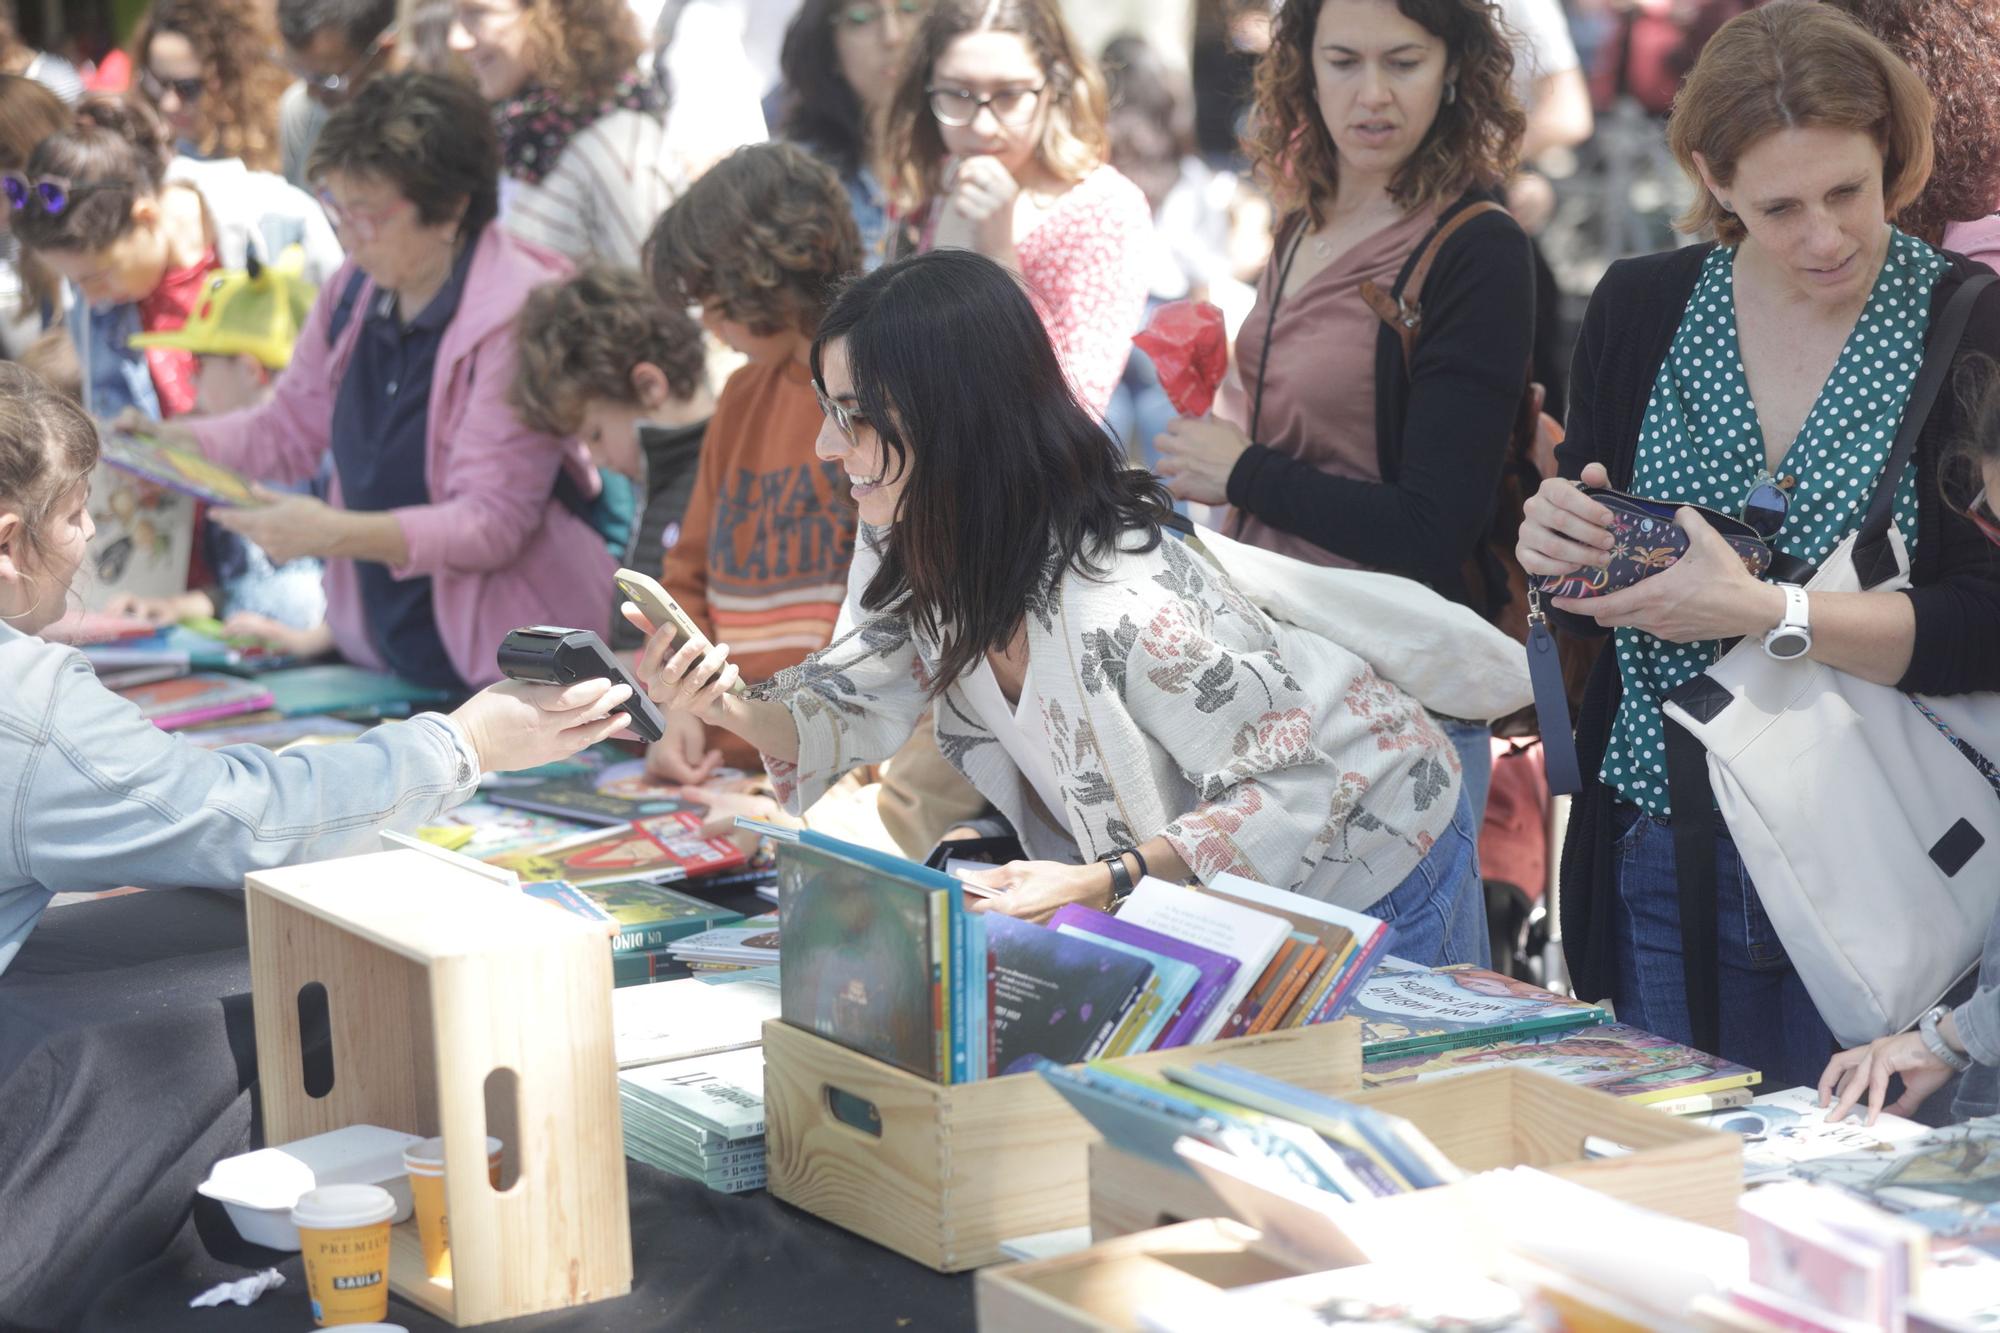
(258, 1189)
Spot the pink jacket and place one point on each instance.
(500, 549)
(1978, 239)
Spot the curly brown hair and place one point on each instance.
(579, 340)
(1954, 47)
(1473, 142)
(1074, 142)
(581, 47)
(767, 232)
(234, 40)
(1795, 63)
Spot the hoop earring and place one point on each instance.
(1450, 92)
(23, 615)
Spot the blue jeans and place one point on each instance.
(1768, 1022)
(1474, 743)
(1439, 911)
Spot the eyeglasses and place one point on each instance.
(50, 194)
(362, 225)
(843, 418)
(484, 18)
(1981, 514)
(188, 91)
(864, 15)
(958, 107)
(1770, 499)
(336, 87)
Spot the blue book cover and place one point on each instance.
(1135, 1119)
(1420, 1165)
(1055, 996)
(1172, 980)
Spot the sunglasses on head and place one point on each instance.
(49, 194)
(187, 90)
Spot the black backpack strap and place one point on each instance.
(343, 309)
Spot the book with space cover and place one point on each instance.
(188, 700)
(616, 794)
(1055, 996)
(1614, 1058)
(659, 850)
(1182, 1017)
(1353, 943)
(1455, 1006)
(176, 467)
(1250, 936)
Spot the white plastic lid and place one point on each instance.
(274, 1178)
(428, 1157)
(331, 1207)
(267, 1178)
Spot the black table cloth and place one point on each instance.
(127, 1068)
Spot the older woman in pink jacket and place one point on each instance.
(449, 522)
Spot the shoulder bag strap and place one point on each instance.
(1874, 562)
(1404, 311)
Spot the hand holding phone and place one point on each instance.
(658, 606)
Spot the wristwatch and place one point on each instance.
(1927, 1027)
(1792, 637)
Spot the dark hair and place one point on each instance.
(47, 446)
(580, 339)
(29, 113)
(360, 21)
(1954, 48)
(1073, 142)
(234, 40)
(1151, 119)
(429, 136)
(820, 110)
(114, 155)
(1473, 141)
(767, 231)
(1011, 482)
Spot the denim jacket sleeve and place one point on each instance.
(101, 798)
(1979, 1017)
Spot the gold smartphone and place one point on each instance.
(658, 605)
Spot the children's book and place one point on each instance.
(1353, 942)
(1249, 936)
(188, 700)
(339, 688)
(722, 1093)
(1055, 996)
(277, 733)
(1448, 1007)
(1613, 1058)
(659, 850)
(177, 468)
(754, 943)
(482, 830)
(1214, 971)
(1783, 1131)
(1947, 1182)
(616, 794)
(642, 916)
(145, 536)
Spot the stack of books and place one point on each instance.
(643, 919)
(656, 849)
(750, 945)
(702, 1118)
(1404, 1013)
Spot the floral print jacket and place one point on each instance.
(1172, 706)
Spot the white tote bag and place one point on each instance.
(1871, 835)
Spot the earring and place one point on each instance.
(1450, 91)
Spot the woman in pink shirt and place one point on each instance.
(996, 144)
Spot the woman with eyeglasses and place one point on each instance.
(1764, 372)
(841, 61)
(449, 522)
(1100, 680)
(136, 233)
(996, 143)
(585, 159)
(210, 68)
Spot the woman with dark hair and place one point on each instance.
(211, 69)
(1954, 47)
(1100, 680)
(449, 522)
(1763, 373)
(30, 299)
(137, 233)
(841, 61)
(996, 143)
(1383, 129)
(45, 68)
(583, 133)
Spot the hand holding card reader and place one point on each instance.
(545, 655)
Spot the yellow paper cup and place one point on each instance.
(344, 1236)
(425, 1163)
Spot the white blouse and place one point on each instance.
(1019, 731)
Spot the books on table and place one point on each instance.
(660, 849)
(482, 830)
(1250, 936)
(186, 701)
(1055, 996)
(1786, 1130)
(1401, 1012)
(683, 1019)
(1613, 1058)
(340, 688)
(1191, 980)
(279, 733)
(615, 794)
(702, 1118)
(641, 916)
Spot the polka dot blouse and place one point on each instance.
(1702, 444)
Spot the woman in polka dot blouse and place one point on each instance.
(996, 144)
(1777, 361)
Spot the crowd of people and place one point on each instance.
(863, 394)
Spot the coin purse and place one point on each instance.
(1645, 540)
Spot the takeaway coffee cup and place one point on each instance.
(425, 1163)
(344, 1236)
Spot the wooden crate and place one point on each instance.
(1101, 1289)
(943, 1174)
(1493, 1118)
(459, 1009)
